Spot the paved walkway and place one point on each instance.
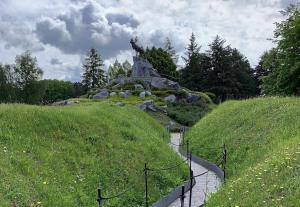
(205, 185)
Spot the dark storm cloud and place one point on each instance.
(76, 31)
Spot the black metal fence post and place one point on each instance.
(99, 199)
(224, 161)
(182, 196)
(191, 187)
(187, 149)
(146, 185)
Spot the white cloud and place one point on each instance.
(64, 30)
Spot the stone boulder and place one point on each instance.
(191, 98)
(138, 87)
(102, 94)
(125, 94)
(128, 93)
(113, 94)
(65, 103)
(158, 82)
(148, 93)
(148, 105)
(170, 98)
(142, 94)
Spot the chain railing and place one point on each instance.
(220, 161)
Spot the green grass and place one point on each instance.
(263, 140)
(59, 156)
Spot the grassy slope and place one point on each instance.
(59, 156)
(263, 140)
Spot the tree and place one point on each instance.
(94, 74)
(127, 67)
(265, 66)
(170, 50)
(284, 78)
(115, 70)
(230, 74)
(27, 74)
(161, 61)
(57, 90)
(192, 64)
(7, 86)
(222, 70)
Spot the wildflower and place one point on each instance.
(45, 183)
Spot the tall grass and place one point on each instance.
(59, 156)
(263, 140)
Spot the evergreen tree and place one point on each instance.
(170, 50)
(94, 75)
(192, 64)
(115, 70)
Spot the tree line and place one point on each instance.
(221, 70)
(21, 83)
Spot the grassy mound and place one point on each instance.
(263, 140)
(59, 156)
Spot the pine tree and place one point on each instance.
(94, 76)
(115, 70)
(192, 60)
(170, 50)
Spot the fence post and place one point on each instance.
(187, 149)
(146, 185)
(99, 199)
(182, 196)
(191, 187)
(224, 161)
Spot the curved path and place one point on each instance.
(205, 185)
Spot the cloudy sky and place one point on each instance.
(60, 32)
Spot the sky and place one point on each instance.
(61, 32)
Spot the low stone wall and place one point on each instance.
(175, 194)
(210, 166)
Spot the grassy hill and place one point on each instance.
(59, 156)
(263, 140)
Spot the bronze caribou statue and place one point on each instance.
(137, 48)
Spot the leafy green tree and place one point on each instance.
(7, 86)
(27, 73)
(284, 78)
(57, 90)
(162, 61)
(265, 66)
(94, 75)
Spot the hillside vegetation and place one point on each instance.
(59, 156)
(263, 140)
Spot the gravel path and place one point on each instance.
(205, 185)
